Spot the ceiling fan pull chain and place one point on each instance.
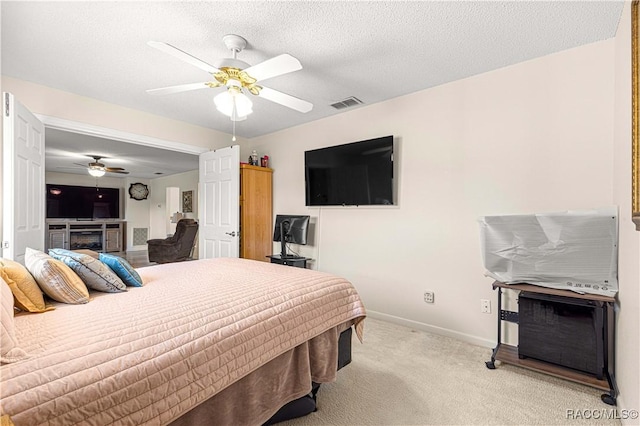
(233, 139)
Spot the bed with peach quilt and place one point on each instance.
(199, 339)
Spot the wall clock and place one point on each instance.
(138, 191)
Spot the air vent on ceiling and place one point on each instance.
(347, 103)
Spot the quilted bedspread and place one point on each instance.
(151, 354)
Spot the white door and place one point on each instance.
(219, 209)
(23, 209)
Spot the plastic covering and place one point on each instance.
(574, 250)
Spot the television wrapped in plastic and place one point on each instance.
(573, 250)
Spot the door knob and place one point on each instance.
(233, 233)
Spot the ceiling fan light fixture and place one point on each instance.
(96, 172)
(232, 82)
(237, 75)
(233, 103)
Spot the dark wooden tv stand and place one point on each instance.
(509, 354)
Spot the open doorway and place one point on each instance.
(70, 146)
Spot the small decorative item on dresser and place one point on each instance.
(254, 158)
(264, 161)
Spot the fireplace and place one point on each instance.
(85, 240)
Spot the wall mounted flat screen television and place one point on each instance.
(82, 202)
(353, 174)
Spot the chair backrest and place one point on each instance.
(185, 236)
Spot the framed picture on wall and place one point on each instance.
(187, 201)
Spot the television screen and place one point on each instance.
(82, 202)
(354, 174)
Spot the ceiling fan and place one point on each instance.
(236, 76)
(98, 169)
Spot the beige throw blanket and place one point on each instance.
(151, 354)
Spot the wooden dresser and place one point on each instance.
(256, 224)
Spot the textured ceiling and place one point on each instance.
(371, 50)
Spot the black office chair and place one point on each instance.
(176, 248)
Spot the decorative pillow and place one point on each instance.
(28, 296)
(9, 350)
(95, 274)
(122, 268)
(55, 278)
(91, 253)
(5, 420)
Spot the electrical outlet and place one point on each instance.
(485, 306)
(429, 297)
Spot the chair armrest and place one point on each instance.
(160, 242)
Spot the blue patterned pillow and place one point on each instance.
(95, 274)
(122, 268)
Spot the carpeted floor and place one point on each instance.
(401, 376)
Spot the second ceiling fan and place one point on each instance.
(98, 169)
(237, 75)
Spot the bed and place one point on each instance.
(226, 340)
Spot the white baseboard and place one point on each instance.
(474, 340)
(624, 411)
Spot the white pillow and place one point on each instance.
(9, 350)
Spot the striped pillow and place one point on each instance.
(95, 274)
(55, 278)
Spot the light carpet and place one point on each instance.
(401, 376)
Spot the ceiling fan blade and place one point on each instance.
(122, 172)
(184, 56)
(113, 169)
(279, 65)
(286, 100)
(177, 89)
(83, 165)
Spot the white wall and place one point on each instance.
(533, 137)
(85, 180)
(550, 134)
(137, 213)
(57, 103)
(628, 316)
(187, 181)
